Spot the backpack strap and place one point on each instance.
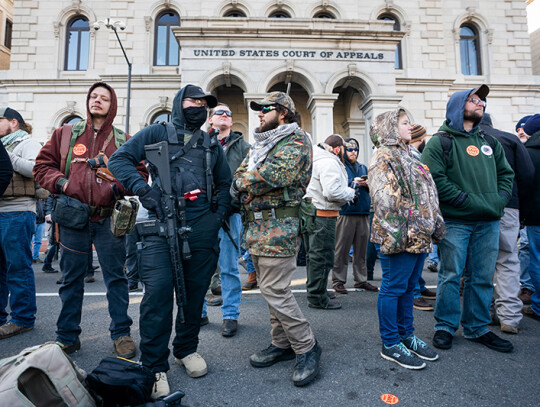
(492, 141)
(64, 146)
(446, 144)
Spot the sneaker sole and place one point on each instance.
(191, 373)
(424, 357)
(282, 358)
(423, 365)
(423, 308)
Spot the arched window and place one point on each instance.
(72, 119)
(279, 14)
(161, 116)
(77, 44)
(235, 13)
(325, 15)
(166, 49)
(397, 27)
(469, 50)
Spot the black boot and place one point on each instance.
(269, 356)
(307, 366)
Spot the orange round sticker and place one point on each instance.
(473, 151)
(79, 149)
(389, 398)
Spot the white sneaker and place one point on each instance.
(194, 364)
(161, 386)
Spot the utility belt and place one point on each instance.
(101, 211)
(274, 213)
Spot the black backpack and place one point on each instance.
(446, 144)
(121, 382)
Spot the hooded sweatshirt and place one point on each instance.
(477, 184)
(529, 209)
(328, 187)
(83, 183)
(404, 197)
(122, 164)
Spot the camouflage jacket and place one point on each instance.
(280, 181)
(407, 216)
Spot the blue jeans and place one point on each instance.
(400, 274)
(533, 233)
(524, 260)
(420, 286)
(371, 252)
(132, 265)
(76, 246)
(36, 240)
(433, 256)
(16, 274)
(231, 286)
(472, 247)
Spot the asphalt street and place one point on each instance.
(352, 371)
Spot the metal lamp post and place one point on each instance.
(114, 25)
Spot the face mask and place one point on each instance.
(195, 116)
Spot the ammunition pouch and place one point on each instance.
(274, 213)
(123, 216)
(70, 212)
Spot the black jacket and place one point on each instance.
(518, 158)
(530, 207)
(6, 169)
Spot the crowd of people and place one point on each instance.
(463, 203)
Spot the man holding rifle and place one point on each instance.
(187, 203)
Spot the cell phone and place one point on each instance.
(364, 177)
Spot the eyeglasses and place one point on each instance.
(198, 102)
(477, 101)
(267, 109)
(221, 111)
(350, 150)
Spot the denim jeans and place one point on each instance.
(36, 240)
(472, 247)
(231, 286)
(433, 257)
(16, 274)
(524, 260)
(420, 286)
(400, 274)
(53, 246)
(132, 265)
(533, 233)
(76, 246)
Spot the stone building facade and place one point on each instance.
(6, 27)
(345, 61)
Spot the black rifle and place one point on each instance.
(227, 228)
(174, 208)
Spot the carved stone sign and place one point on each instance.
(240, 53)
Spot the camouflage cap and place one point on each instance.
(274, 98)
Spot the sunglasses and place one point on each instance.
(267, 109)
(477, 101)
(221, 111)
(350, 150)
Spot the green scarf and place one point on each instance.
(16, 136)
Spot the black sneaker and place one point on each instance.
(306, 368)
(332, 304)
(420, 348)
(49, 269)
(442, 339)
(492, 341)
(432, 267)
(401, 355)
(271, 355)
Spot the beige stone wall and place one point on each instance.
(37, 85)
(6, 13)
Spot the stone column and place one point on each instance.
(321, 107)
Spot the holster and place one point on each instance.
(124, 216)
